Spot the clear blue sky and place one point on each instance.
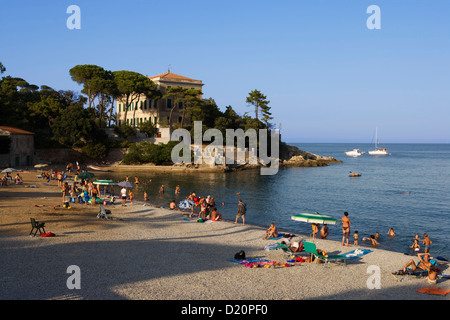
(328, 77)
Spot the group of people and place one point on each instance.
(8, 179)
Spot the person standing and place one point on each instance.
(242, 209)
(124, 195)
(345, 228)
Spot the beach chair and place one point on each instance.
(288, 251)
(310, 247)
(104, 213)
(37, 226)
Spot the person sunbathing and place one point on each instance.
(271, 232)
(423, 265)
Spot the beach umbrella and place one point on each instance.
(105, 182)
(41, 165)
(186, 204)
(86, 175)
(126, 184)
(9, 170)
(314, 218)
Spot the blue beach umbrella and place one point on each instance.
(186, 204)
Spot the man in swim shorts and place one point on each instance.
(345, 228)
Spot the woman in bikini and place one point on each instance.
(345, 228)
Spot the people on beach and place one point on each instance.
(131, 195)
(324, 231)
(315, 230)
(161, 189)
(123, 193)
(426, 242)
(173, 205)
(415, 246)
(241, 210)
(271, 232)
(145, 196)
(177, 189)
(423, 265)
(215, 216)
(372, 240)
(345, 228)
(355, 238)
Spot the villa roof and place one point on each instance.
(14, 130)
(169, 76)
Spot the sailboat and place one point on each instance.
(378, 151)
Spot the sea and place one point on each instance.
(407, 190)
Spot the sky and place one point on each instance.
(329, 78)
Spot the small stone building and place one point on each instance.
(21, 152)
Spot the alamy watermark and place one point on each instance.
(74, 20)
(214, 153)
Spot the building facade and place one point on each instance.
(21, 151)
(157, 111)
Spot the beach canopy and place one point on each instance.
(314, 218)
(8, 170)
(85, 175)
(105, 182)
(41, 165)
(186, 204)
(126, 184)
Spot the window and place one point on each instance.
(120, 107)
(179, 119)
(145, 105)
(180, 105)
(169, 103)
(142, 103)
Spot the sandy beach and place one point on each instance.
(148, 253)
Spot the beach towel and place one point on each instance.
(356, 253)
(248, 260)
(433, 291)
(272, 247)
(48, 234)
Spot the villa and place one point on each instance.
(157, 111)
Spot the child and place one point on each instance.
(131, 194)
(426, 242)
(372, 239)
(145, 196)
(315, 228)
(355, 238)
(415, 246)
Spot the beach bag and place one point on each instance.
(240, 255)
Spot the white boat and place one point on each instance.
(354, 153)
(378, 151)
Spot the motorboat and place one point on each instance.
(354, 153)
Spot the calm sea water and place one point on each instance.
(407, 190)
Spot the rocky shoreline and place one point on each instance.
(290, 156)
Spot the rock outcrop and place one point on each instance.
(291, 156)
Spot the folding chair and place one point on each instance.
(104, 213)
(37, 226)
(310, 247)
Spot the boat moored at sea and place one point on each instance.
(378, 151)
(354, 153)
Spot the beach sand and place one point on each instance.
(148, 253)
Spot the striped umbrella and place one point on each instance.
(314, 218)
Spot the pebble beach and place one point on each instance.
(148, 253)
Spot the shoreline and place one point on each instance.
(154, 253)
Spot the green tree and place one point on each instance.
(261, 104)
(2, 68)
(131, 85)
(88, 75)
(148, 128)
